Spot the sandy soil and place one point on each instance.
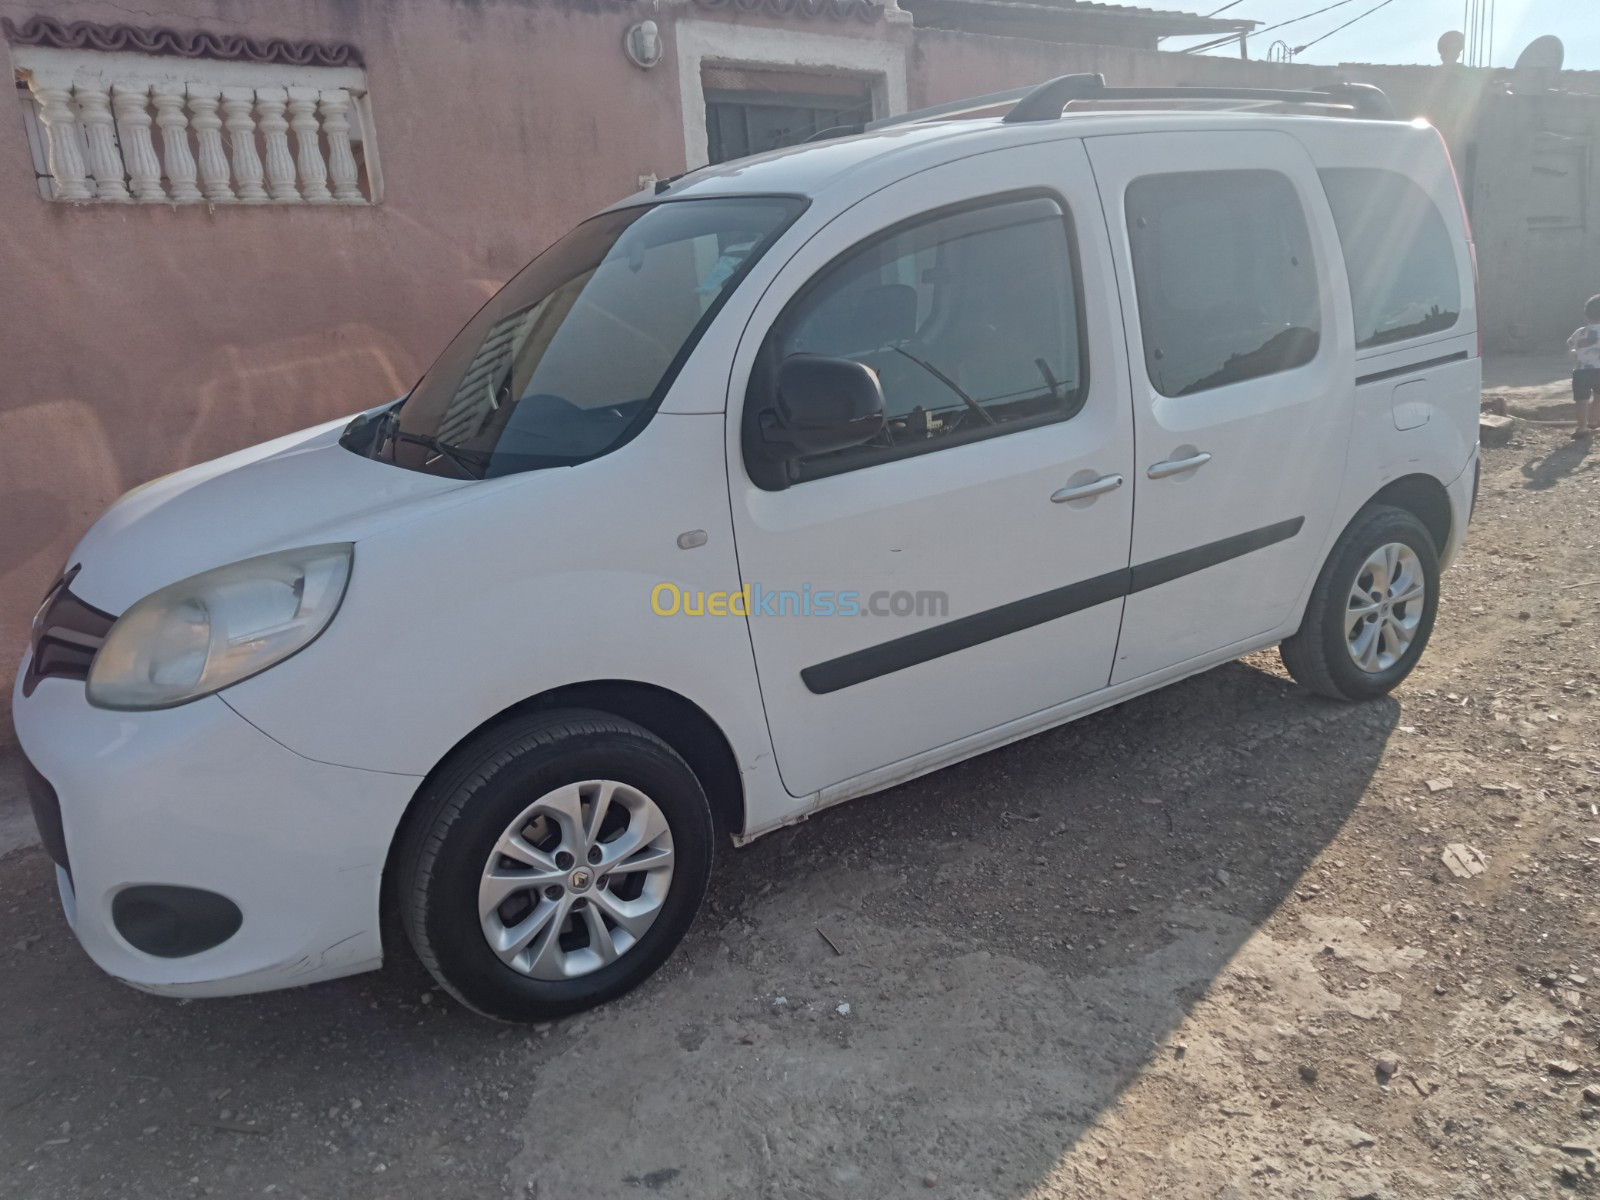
(1204, 945)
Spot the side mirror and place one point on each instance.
(821, 404)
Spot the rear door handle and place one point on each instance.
(1086, 491)
(1176, 466)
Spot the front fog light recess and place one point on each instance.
(214, 629)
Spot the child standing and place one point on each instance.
(1585, 343)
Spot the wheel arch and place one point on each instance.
(1425, 498)
(676, 720)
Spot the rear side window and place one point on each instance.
(1226, 279)
(1404, 280)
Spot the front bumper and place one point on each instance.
(197, 797)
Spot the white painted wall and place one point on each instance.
(879, 61)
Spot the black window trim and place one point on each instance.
(763, 474)
(1428, 364)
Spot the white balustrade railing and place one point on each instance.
(123, 128)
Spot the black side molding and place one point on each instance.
(1186, 562)
(964, 632)
(1393, 372)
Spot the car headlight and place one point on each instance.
(211, 630)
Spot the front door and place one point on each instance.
(965, 568)
(1239, 334)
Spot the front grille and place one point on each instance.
(66, 635)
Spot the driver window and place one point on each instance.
(971, 320)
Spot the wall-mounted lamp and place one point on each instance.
(642, 44)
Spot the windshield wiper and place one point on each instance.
(951, 384)
(474, 466)
(471, 464)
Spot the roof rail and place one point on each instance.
(956, 109)
(835, 131)
(1045, 102)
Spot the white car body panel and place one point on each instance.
(468, 598)
(298, 845)
(901, 525)
(1442, 440)
(214, 513)
(435, 637)
(1276, 442)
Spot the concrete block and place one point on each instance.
(1495, 430)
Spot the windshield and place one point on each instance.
(570, 359)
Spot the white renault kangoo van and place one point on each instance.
(777, 484)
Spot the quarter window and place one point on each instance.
(1225, 276)
(1404, 281)
(971, 319)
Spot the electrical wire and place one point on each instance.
(1478, 19)
(1258, 32)
(1306, 17)
(1231, 4)
(1346, 25)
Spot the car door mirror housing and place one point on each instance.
(821, 404)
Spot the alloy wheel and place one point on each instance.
(1385, 607)
(576, 880)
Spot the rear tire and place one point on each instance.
(1372, 609)
(553, 864)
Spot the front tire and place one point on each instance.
(554, 863)
(1372, 610)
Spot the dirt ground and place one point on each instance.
(1204, 945)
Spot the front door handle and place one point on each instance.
(1085, 491)
(1176, 466)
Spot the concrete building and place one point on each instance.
(227, 221)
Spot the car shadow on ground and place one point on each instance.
(1546, 470)
(954, 981)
